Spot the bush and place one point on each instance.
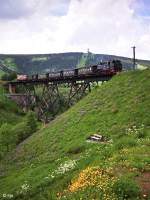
(126, 188)
(9, 77)
(6, 136)
(6, 139)
(10, 135)
(76, 150)
(25, 129)
(31, 122)
(21, 131)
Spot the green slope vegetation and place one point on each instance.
(10, 62)
(1, 73)
(15, 126)
(8, 109)
(57, 162)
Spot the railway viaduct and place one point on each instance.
(43, 95)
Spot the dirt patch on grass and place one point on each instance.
(144, 182)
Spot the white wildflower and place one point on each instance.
(25, 186)
(52, 176)
(63, 168)
(46, 177)
(67, 166)
(135, 130)
(4, 195)
(8, 196)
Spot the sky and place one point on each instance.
(53, 26)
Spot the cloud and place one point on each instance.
(15, 9)
(142, 7)
(104, 26)
(107, 26)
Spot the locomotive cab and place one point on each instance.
(117, 65)
(94, 68)
(76, 72)
(47, 75)
(61, 74)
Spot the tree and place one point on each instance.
(9, 77)
(31, 122)
(6, 137)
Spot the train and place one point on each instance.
(108, 68)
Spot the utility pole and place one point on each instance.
(134, 60)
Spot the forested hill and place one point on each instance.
(42, 63)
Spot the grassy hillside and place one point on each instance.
(57, 162)
(8, 109)
(15, 126)
(42, 63)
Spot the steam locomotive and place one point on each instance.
(109, 68)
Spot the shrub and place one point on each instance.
(31, 122)
(24, 129)
(126, 188)
(21, 131)
(6, 139)
(76, 150)
(9, 77)
(2, 105)
(6, 136)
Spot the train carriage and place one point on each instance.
(22, 77)
(102, 69)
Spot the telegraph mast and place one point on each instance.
(134, 60)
